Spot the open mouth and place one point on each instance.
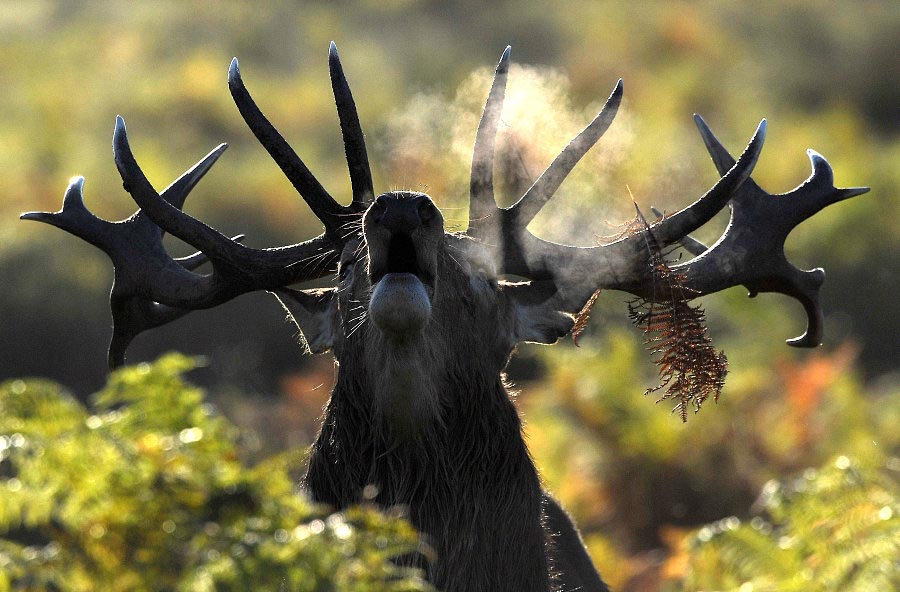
(402, 285)
(400, 256)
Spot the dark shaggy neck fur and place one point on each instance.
(479, 506)
(464, 474)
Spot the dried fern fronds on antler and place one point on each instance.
(690, 368)
(633, 226)
(581, 319)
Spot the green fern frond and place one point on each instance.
(837, 528)
(145, 490)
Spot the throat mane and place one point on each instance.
(455, 478)
(405, 388)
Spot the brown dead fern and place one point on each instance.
(581, 319)
(633, 226)
(690, 368)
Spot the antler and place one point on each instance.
(151, 288)
(750, 252)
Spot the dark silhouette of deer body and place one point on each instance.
(466, 476)
(421, 414)
(422, 322)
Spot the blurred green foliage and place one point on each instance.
(638, 480)
(145, 490)
(837, 528)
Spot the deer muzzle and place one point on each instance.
(403, 231)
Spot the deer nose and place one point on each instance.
(403, 211)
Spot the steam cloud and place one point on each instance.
(428, 147)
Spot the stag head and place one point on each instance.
(407, 289)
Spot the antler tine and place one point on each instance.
(166, 215)
(503, 229)
(351, 130)
(680, 224)
(751, 251)
(179, 189)
(528, 206)
(323, 205)
(75, 218)
(482, 204)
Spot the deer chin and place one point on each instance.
(400, 306)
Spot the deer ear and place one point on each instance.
(315, 314)
(535, 312)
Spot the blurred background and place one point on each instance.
(824, 74)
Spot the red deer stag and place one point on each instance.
(422, 322)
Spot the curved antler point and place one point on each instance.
(121, 148)
(234, 72)
(77, 180)
(754, 148)
(334, 60)
(701, 124)
(854, 191)
(822, 173)
(615, 97)
(74, 196)
(120, 135)
(816, 158)
(503, 65)
(804, 341)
